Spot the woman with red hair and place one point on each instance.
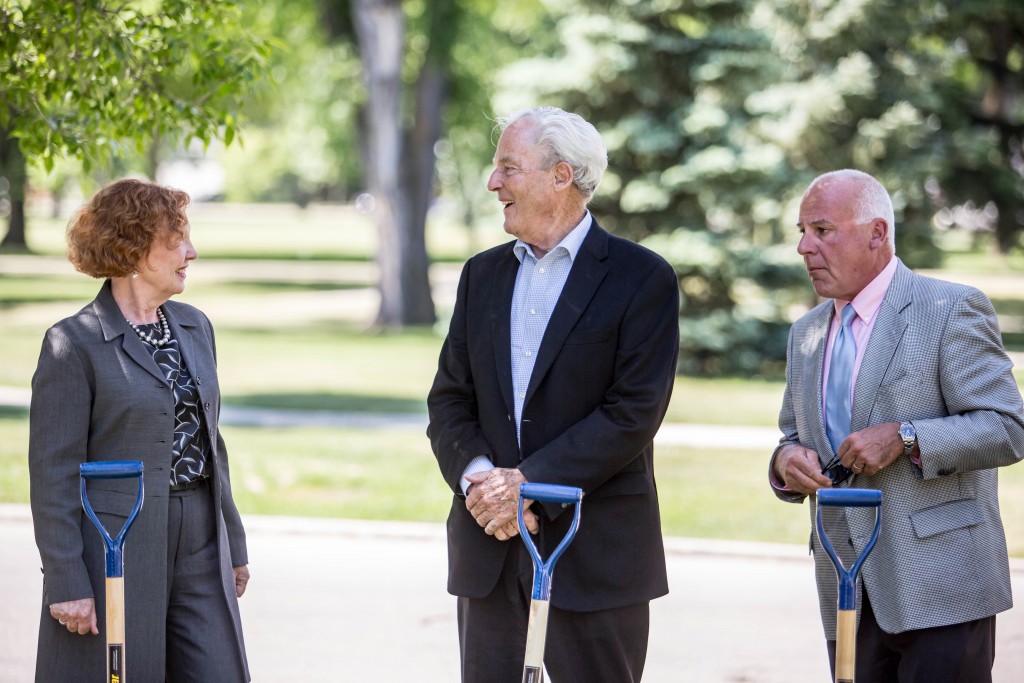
(133, 376)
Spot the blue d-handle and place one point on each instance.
(849, 498)
(113, 469)
(551, 493)
(548, 493)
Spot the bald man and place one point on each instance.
(899, 382)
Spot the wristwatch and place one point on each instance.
(909, 436)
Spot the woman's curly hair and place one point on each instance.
(110, 235)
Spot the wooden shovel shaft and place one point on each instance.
(115, 630)
(536, 635)
(846, 645)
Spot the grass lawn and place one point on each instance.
(320, 359)
(292, 334)
(13, 455)
(392, 475)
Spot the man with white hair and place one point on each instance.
(899, 383)
(557, 369)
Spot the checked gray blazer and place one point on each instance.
(935, 358)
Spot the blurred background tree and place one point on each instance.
(94, 80)
(689, 172)
(717, 113)
(410, 72)
(300, 142)
(925, 96)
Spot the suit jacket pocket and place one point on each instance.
(623, 484)
(898, 375)
(590, 336)
(956, 514)
(111, 502)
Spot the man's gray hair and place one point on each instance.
(871, 199)
(567, 137)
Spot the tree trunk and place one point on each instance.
(1001, 105)
(380, 30)
(13, 170)
(418, 186)
(153, 156)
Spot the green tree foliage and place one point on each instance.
(981, 112)
(425, 67)
(719, 112)
(492, 34)
(301, 135)
(930, 104)
(666, 84)
(96, 79)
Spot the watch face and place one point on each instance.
(907, 432)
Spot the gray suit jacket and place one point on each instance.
(935, 358)
(97, 394)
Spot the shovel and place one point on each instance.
(114, 469)
(846, 615)
(537, 627)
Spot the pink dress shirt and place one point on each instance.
(866, 303)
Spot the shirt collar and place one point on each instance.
(570, 243)
(869, 299)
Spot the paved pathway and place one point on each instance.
(339, 600)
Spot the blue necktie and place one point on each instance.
(838, 402)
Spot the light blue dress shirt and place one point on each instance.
(539, 284)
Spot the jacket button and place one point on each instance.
(206, 405)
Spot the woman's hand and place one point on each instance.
(241, 579)
(78, 616)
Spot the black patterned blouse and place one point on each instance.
(191, 443)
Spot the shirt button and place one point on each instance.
(527, 354)
(533, 311)
(542, 270)
(522, 394)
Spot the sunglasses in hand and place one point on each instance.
(836, 471)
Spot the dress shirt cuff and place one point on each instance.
(480, 463)
(773, 479)
(915, 460)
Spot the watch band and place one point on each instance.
(909, 436)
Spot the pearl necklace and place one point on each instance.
(147, 337)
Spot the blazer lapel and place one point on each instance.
(587, 272)
(113, 324)
(197, 358)
(181, 328)
(885, 338)
(503, 282)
